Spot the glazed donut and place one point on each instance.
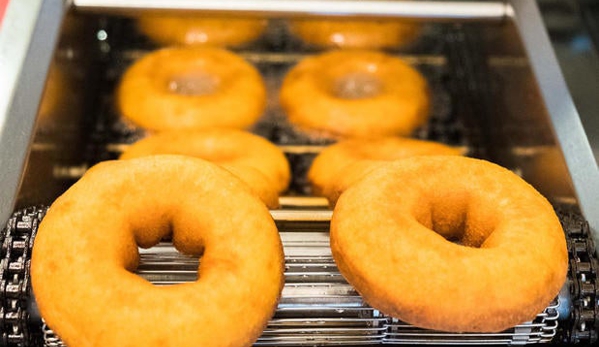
(191, 88)
(355, 94)
(340, 165)
(355, 34)
(86, 250)
(255, 160)
(172, 30)
(450, 243)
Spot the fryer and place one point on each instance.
(497, 92)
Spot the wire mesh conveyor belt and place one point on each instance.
(318, 307)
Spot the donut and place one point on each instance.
(191, 88)
(340, 165)
(354, 94)
(450, 243)
(180, 30)
(355, 34)
(86, 250)
(255, 160)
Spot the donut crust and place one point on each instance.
(399, 106)
(255, 160)
(145, 96)
(185, 30)
(86, 250)
(510, 263)
(340, 165)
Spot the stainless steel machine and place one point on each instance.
(497, 91)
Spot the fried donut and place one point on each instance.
(339, 165)
(86, 251)
(255, 160)
(450, 243)
(191, 88)
(187, 29)
(355, 94)
(355, 34)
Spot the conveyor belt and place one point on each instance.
(318, 307)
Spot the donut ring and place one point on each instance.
(340, 165)
(255, 160)
(87, 292)
(191, 88)
(510, 264)
(355, 34)
(355, 94)
(172, 30)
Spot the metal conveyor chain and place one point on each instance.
(17, 241)
(583, 323)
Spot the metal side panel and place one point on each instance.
(430, 10)
(28, 34)
(563, 115)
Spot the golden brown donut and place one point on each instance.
(195, 30)
(340, 165)
(355, 94)
(255, 160)
(450, 243)
(86, 251)
(357, 34)
(191, 88)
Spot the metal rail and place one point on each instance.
(563, 115)
(28, 34)
(430, 10)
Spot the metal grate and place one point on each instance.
(318, 307)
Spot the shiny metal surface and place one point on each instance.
(564, 117)
(439, 10)
(27, 37)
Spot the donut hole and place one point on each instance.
(167, 251)
(454, 217)
(163, 266)
(356, 85)
(193, 84)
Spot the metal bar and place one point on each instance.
(301, 215)
(430, 10)
(563, 115)
(28, 35)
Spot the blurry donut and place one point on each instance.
(342, 94)
(356, 34)
(195, 30)
(255, 160)
(340, 165)
(191, 88)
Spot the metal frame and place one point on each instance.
(30, 29)
(563, 115)
(28, 35)
(430, 10)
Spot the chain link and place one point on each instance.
(583, 324)
(17, 241)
